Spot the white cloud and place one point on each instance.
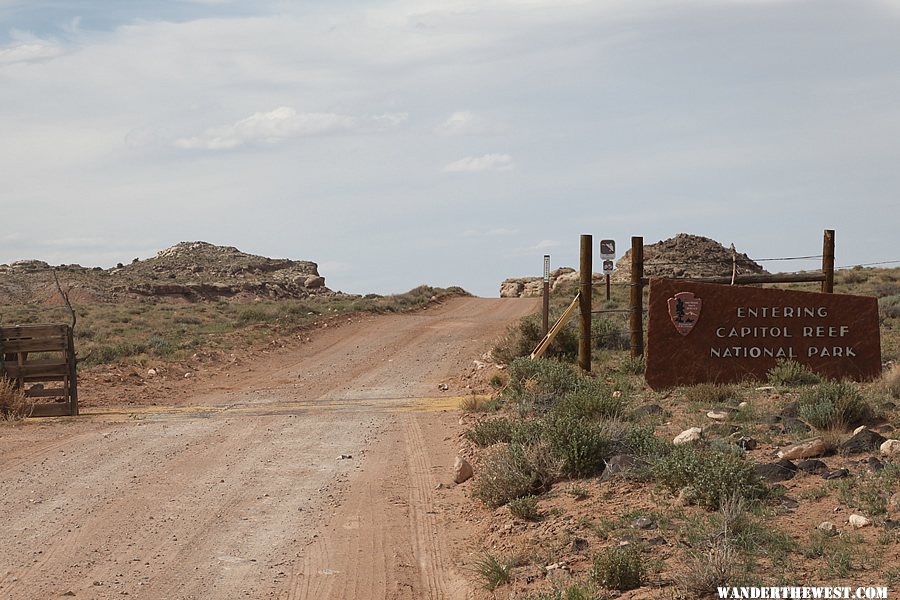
(269, 127)
(496, 232)
(486, 162)
(285, 123)
(464, 122)
(29, 51)
(544, 244)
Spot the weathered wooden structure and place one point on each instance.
(33, 356)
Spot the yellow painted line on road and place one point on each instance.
(141, 413)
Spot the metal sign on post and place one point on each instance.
(607, 249)
(546, 294)
(608, 266)
(607, 255)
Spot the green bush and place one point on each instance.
(583, 446)
(160, 346)
(591, 399)
(490, 432)
(607, 334)
(539, 382)
(523, 337)
(788, 372)
(110, 353)
(252, 315)
(642, 441)
(618, 568)
(889, 307)
(493, 571)
(715, 475)
(525, 508)
(833, 405)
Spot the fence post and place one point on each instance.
(828, 261)
(546, 294)
(584, 302)
(637, 297)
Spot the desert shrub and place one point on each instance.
(891, 382)
(14, 406)
(575, 591)
(539, 382)
(707, 571)
(525, 508)
(642, 441)
(789, 372)
(633, 365)
(889, 307)
(711, 393)
(187, 320)
(607, 334)
(524, 336)
(508, 474)
(714, 475)
(855, 275)
(160, 346)
(252, 315)
(833, 405)
(110, 353)
(492, 571)
(618, 568)
(591, 399)
(490, 432)
(871, 492)
(582, 445)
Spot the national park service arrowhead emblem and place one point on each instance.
(684, 309)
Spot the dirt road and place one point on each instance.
(310, 475)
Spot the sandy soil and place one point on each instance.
(312, 471)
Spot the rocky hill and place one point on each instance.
(687, 255)
(187, 271)
(684, 255)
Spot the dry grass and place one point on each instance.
(705, 572)
(14, 406)
(891, 382)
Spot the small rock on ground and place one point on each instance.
(863, 441)
(688, 436)
(462, 470)
(859, 521)
(828, 528)
(807, 449)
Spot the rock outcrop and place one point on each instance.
(684, 255)
(187, 271)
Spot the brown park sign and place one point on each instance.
(703, 332)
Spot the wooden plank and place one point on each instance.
(46, 393)
(32, 331)
(45, 378)
(557, 327)
(48, 344)
(38, 368)
(54, 409)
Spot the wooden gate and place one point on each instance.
(34, 355)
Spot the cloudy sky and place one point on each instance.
(405, 142)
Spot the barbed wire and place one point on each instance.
(871, 264)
